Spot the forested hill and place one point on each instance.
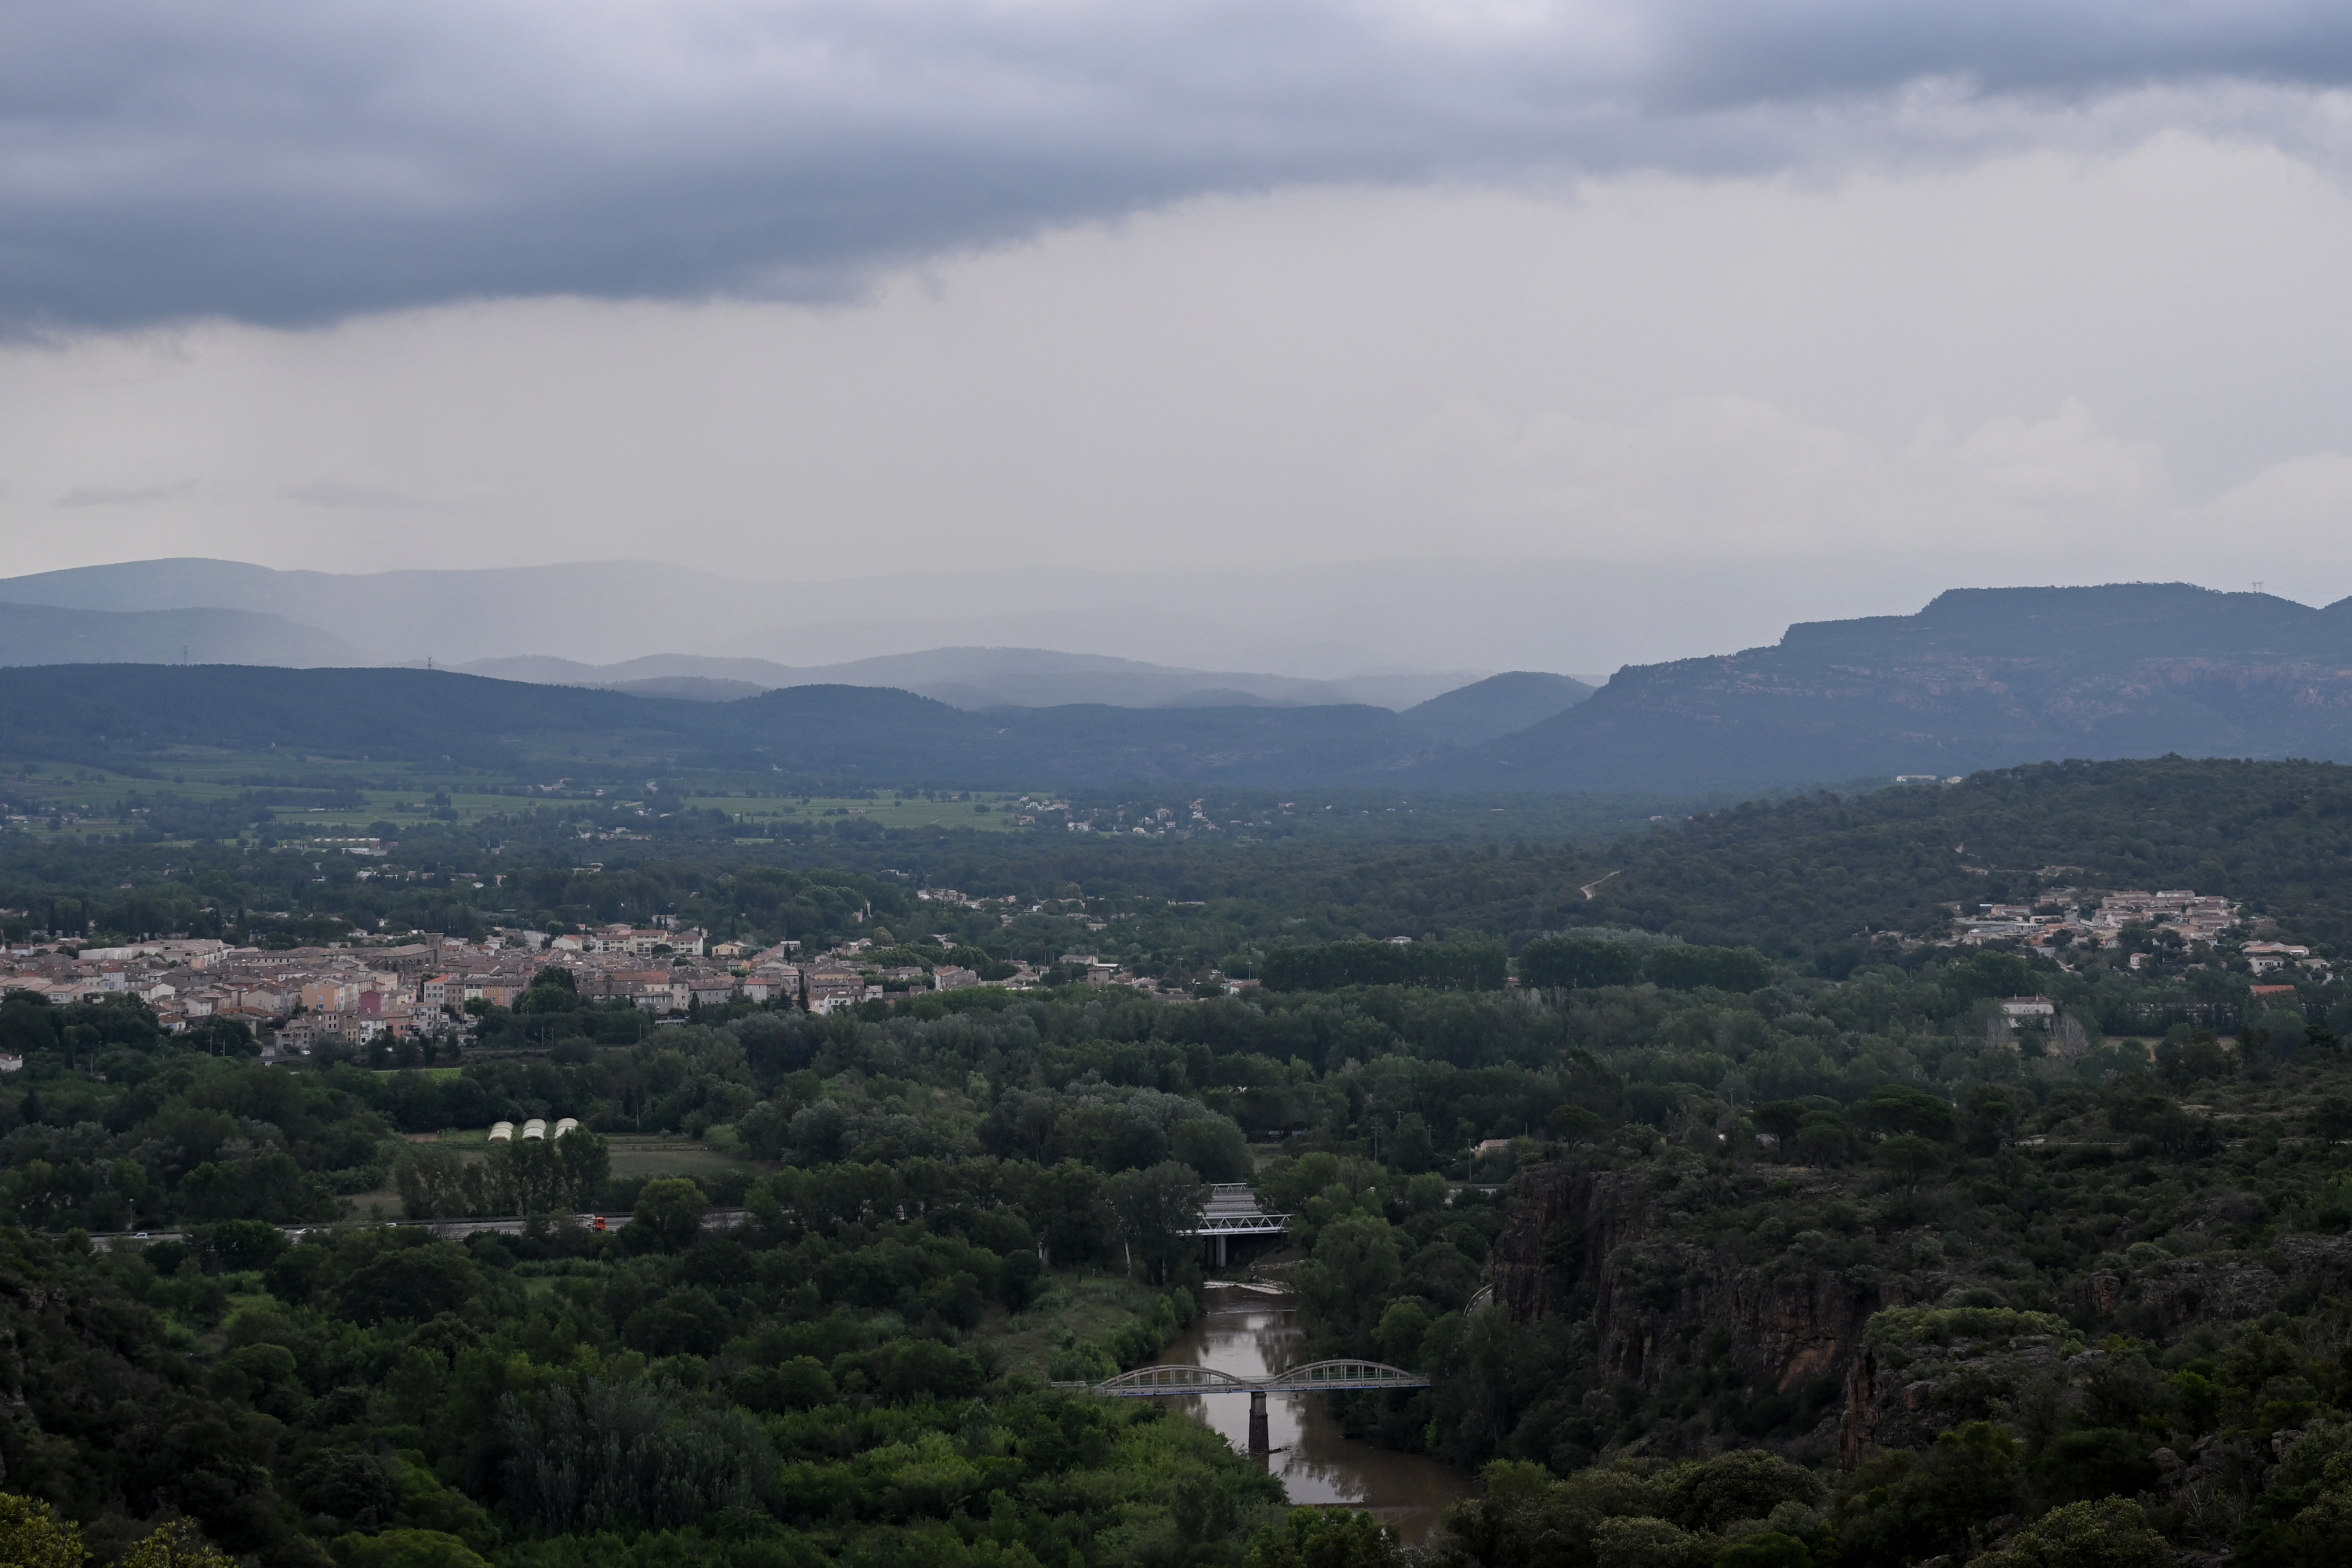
(1808, 878)
(1814, 879)
(1982, 678)
(125, 717)
(1979, 678)
(2275, 835)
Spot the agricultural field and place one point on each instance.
(328, 798)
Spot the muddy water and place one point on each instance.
(1250, 1335)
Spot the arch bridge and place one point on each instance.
(1316, 1377)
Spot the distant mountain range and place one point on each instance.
(112, 714)
(43, 634)
(995, 678)
(1978, 679)
(1323, 620)
(478, 620)
(1981, 677)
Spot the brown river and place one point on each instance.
(1250, 1335)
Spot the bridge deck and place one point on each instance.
(1233, 1209)
(1320, 1377)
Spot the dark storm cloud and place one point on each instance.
(166, 158)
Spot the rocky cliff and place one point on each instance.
(1893, 1338)
(1578, 1236)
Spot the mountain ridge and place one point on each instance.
(988, 676)
(45, 634)
(1982, 678)
(1979, 678)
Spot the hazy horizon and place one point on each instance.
(1431, 617)
(1551, 336)
(1462, 618)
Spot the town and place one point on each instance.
(2071, 917)
(433, 988)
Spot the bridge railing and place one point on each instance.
(1238, 1225)
(1317, 1377)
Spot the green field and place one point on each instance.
(95, 802)
(890, 811)
(650, 1157)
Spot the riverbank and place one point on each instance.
(1251, 1333)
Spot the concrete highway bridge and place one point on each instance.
(1232, 1210)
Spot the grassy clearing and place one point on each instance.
(99, 800)
(651, 1157)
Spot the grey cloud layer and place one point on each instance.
(166, 158)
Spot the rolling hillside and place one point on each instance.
(121, 715)
(47, 634)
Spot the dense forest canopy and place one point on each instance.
(1740, 1226)
(1813, 879)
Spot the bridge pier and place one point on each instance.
(1259, 1441)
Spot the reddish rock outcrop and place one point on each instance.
(1653, 1296)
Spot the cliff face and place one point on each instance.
(1658, 1302)
(1797, 1319)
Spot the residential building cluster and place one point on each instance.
(292, 999)
(296, 1000)
(2069, 917)
(2073, 915)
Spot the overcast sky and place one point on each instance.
(1895, 295)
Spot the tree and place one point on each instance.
(1575, 962)
(31, 1536)
(431, 1182)
(1724, 968)
(1401, 1330)
(2112, 1532)
(242, 1244)
(529, 1177)
(406, 1548)
(1155, 1211)
(1904, 1504)
(1576, 1124)
(1638, 1543)
(1212, 1145)
(1824, 1138)
(1355, 1270)
(1898, 1108)
(552, 990)
(1767, 1549)
(1911, 1158)
(1444, 966)
(411, 1284)
(620, 1455)
(178, 1544)
(668, 1215)
(1309, 1538)
(1746, 1483)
